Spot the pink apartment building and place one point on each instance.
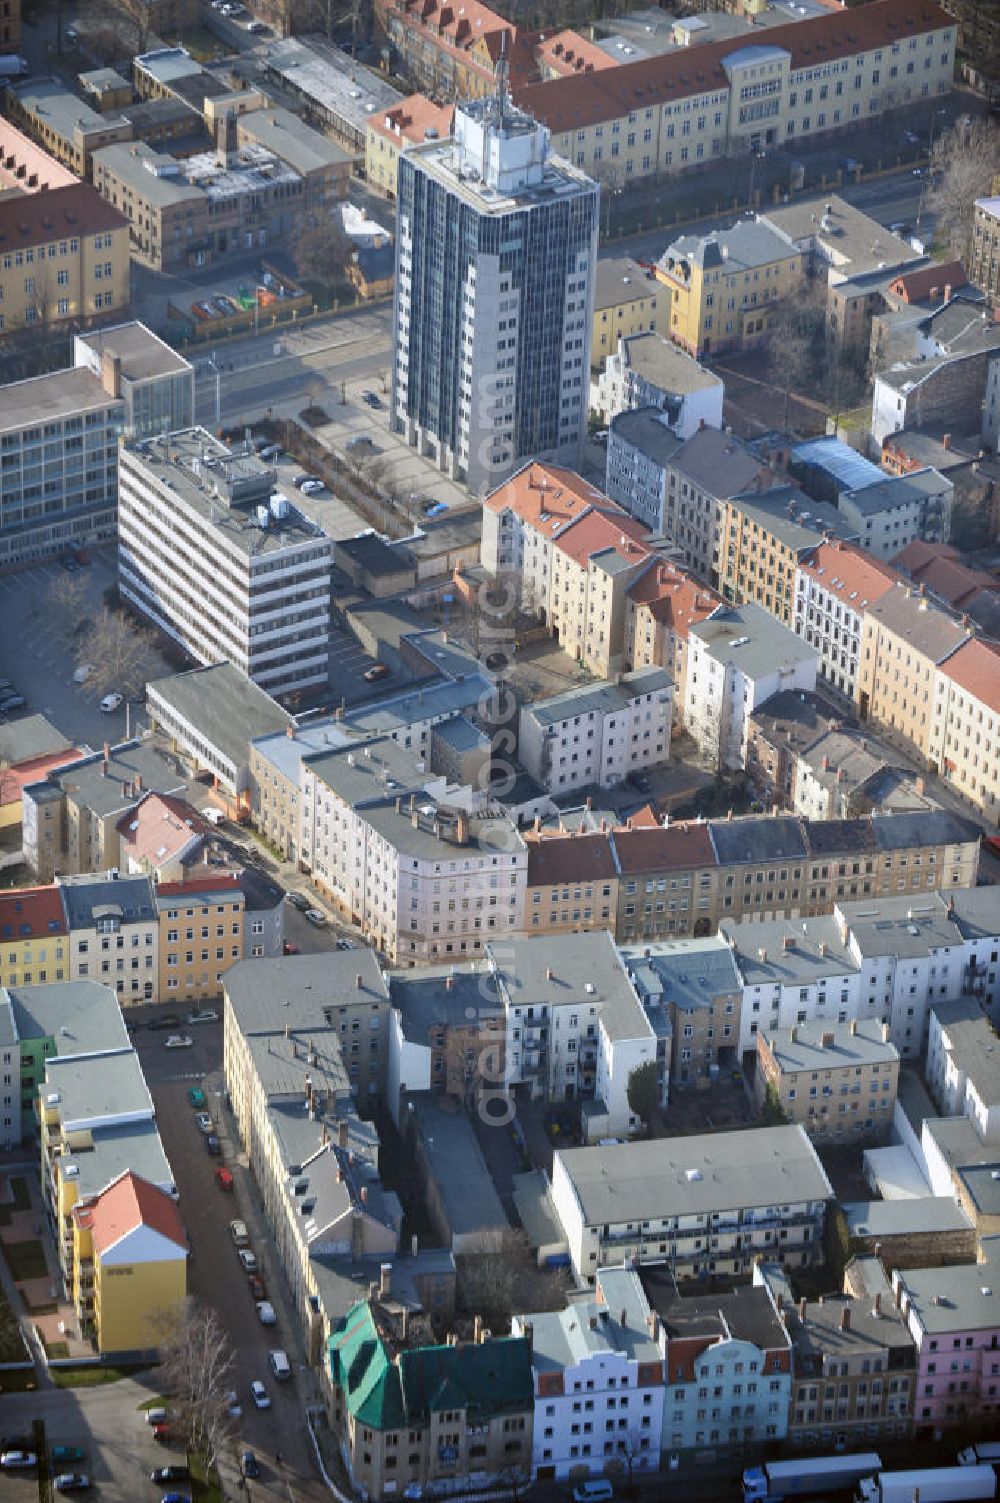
(954, 1318)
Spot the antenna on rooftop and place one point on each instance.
(502, 78)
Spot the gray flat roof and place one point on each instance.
(143, 354)
(154, 175)
(776, 838)
(59, 394)
(605, 698)
(49, 100)
(570, 970)
(282, 1064)
(461, 735)
(447, 994)
(619, 279)
(827, 1045)
(904, 1218)
(894, 926)
(88, 786)
(564, 1338)
(748, 244)
(896, 490)
(960, 1297)
(894, 832)
(291, 139)
(90, 1088)
(371, 771)
(788, 952)
(224, 707)
(333, 79)
(420, 842)
(456, 1165)
(794, 518)
(135, 1145)
(665, 365)
(166, 64)
(644, 1181)
(82, 1017)
(855, 243)
(34, 736)
(690, 973)
(646, 429)
(265, 995)
(422, 702)
(972, 1045)
(749, 638)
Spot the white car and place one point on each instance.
(233, 1404)
(248, 1259)
(315, 917)
(205, 1016)
(178, 1041)
(83, 673)
(111, 702)
(18, 1461)
(259, 1394)
(205, 1123)
(265, 1312)
(312, 487)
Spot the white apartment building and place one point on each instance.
(520, 520)
(707, 1204)
(737, 658)
(598, 735)
(963, 1065)
(218, 559)
(114, 933)
(492, 347)
(648, 370)
(833, 588)
(890, 514)
(793, 971)
(576, 1028)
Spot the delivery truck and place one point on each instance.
(937, 1484)
(808, 1476)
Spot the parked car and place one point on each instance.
(157, 1416)
(178, 1041)
(176, 1498)
(204, 1121)
(298, 900)
(196, 1097)
(18, 1461)
(313, 916)
(248, 1464)
(300, 481)
(313, 487)
(162, 1434)
(68, 1453)
(224, 1180)
(271, 451)
(259, 29)
(72, 1482)
(111, 702)
(372, 398)
(257, 1287)
(213, 1145)
(344, 944)
(288, 948)
(70, 563)
(5, 683)
(266, 1314)
(166, 1020)
(81, 674)
(13, 702)
(260, 1395)
(233, 1404)
(375, 672)
(173, 1473)
(248, 1259)
(238, 1232)
(207, 1015)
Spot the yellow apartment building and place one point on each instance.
(389, 133)
(904, 641)
(627, 300)
(572, 884)
(34, 942)
(129, 1265)
(201, 924)
(63, 255)
(763, 539)
(836, 1080)
(965, 743)
(723, 286)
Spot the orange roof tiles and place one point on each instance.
(410, 121)
(217, 883)
(916, 286)
(940, 568)
(674, 597)
(566, 104)
(128, 1203)
(547, 497)
(160, 827)
(849, 573)
(975, 667)
(569, 53)
(31, 913)
(15, 779)
(600, 528)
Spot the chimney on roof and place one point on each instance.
(528, 1332)
(947, 292)
(946, 441)
(845, 1318)
(762, 955)
(342, 1133)
(384, 1280)
(111, 373)
(827, 1040)
(826, 764)
(854, 1028)
(449, 983)
(885, 1033)
(290, 730)
(793, 1034)
(548, 973)
(802, 1308)
(823, 949)
(359, 982)
(477, 1330)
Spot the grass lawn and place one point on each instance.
(92, 1377)
(56, 1350)
(204, 1487)
(26, 1260)
(12, 1348)
(19, 1190)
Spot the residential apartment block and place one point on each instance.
(391, 131)
(452, 55)
(600, 735)
(34, 949)
(737, 658)
(113, 933)
(221, 561)
(63, 255)
(594, 561)
(984, 262)
(906, 638)
(627, 300)
(834, 586)
(723, 286)
(492, 359)
(899, 509)
(661, 606)
(201, 934)
(960, 1068)
(762, 540)
(60, 477)
(520, 520)
(572, 885)
(838, 1081)
(660, 115)
(696, 985)
(648, 370)
(966, 721)
(705, 1203)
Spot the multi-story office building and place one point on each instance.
(64, 255)
(737, 658)
(707, 1204)
(838, 1080)
(217, 558)
(723, 286)
(814, 76)
(59, 437)
(834, 586)
(496, 256)
(599, 735)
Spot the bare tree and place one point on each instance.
(117, 649)
(322, 252)
(632, 1455)
(66, 598)
(964, 162)
(489, 1276)
(196, 1362)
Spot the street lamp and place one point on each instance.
(756, 155)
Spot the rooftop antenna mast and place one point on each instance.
(503, 79)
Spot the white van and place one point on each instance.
(280, 1365)
(593, 1492)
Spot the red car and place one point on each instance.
(224, 1179)
(161, 1433)
(258, 1289)
(288, 948)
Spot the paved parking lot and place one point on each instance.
(37, 651)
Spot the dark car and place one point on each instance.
(70, 563)
(13, 702)
(372, 398)
(213, 1145)
(248, 1464)
(298, 901)
(176, 1473)
(257, 1287)
(168, 1020)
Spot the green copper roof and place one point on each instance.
(491, 1378)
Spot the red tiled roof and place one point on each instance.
(224, 881)
(410, 121)
(675, 848)
(939, 567)
(31, 913)
(917, 286)
(556, 857)
(15, 779)
(674, 597)
(847, 571)
(645, 818)
(36, 218)
(130, 1202)
(975, 667)
(566, 104)
(160, 827)
(568, 53)
(545, 489)
(603, 527)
